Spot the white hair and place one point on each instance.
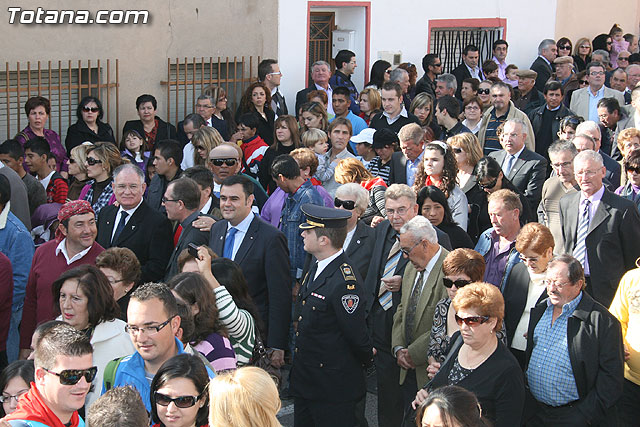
(588, 127)
(354, 190)
(449, 80)
(545, 44)
(420, 228)
(589, 155)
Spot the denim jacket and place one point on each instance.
(16, 244)
(291, 218)
(484, 246)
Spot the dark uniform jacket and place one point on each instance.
(332, 341)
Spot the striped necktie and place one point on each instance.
(385, 295)
(580, 250)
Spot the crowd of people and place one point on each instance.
(469, 238)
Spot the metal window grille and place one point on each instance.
(64, 84)
(321, 29)
(186, 78)
(449, 43)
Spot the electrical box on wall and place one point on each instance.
(343, 39)
(394, 58)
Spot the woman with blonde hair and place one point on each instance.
(78, 170)
(582, 53)
(102, 159)
(246, 397)
(351, 170)
(204, 140)
(467, 151)
(313, 115)
(370, 103)
(422, 107)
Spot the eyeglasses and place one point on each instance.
(585, 46)
(147, 329)
(73, 376)
(566, 46)
(347, 204)
(6, 398)
(596, 73)
(608, 43)
(91, 161)
(399, 211)
(457, 150)
(204, 106)
(220, 162)
(165, 200)
(561, 165)
(489, 185)
(583, 82)
(484, 91)
(587, 174)
(407, 252)
(554, 283)
(90, 109)
(472, 107)
(460, 283)
(471, 320)
(180, 401)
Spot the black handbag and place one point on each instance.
(261, 359)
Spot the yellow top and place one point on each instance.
(626, 308)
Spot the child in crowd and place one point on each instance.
(317, 140)
(35, 152)
(132, 148)
(568, 126)
(52, 161)
(490, 70)
(253, 146)
(618, 45)
(511, 76)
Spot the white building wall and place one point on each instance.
(402, 25)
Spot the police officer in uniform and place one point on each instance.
(333, 345)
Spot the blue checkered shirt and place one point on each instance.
(550, 374)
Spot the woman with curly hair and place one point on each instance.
(439, 168)
(257, 99)
(210, 335)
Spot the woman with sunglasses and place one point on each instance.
(89, 126)
(628, 142)
(484, 93)
(467, 151)
(380, 73)
(351, 170)
(525, 286)
(439, 168)
(564, 46)
(433, 205)
(85, 301)
(102, 159)
(360, 237)
(490, 179)
(204, 140)
(478, 361)
(582, 53)
(631, 190)
(77, 170)
(15, 381)
(179, 395)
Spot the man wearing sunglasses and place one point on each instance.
(432, 66)
(422, 288)
(575, 365)
(64, 371)
(152, 323)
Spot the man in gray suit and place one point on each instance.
(525, 169)
(581, 101)
(599, 228)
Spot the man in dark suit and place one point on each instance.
(332, 340)
(588, 137)
(134, 225)
(599, 228)
(404, 164)
(320, 74)
(575, 370)
(383, 283)
(269, 73)
(468, 68)
(524, 168)
(547, 53)
(432, 66)
(181, 200)
(261, 252)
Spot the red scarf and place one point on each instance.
(368, 185)
(314, 181)
(31, 407)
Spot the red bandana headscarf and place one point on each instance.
(69, 209)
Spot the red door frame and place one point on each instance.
(367, 36)
(464, 23)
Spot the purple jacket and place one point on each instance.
(272, 209)
(54, 143)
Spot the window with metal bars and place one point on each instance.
(449, 43)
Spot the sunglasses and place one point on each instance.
(633, 169)
(200, 148)
(91, 161)
(180, 401)
(71, 161)
(489, 185)
(460, 283)
(90, 109)
(484, 91)
(584, 82)
(73, 376)
(347, 204)
(220, 162)
(472, 320)
(623, 58)
(566, 46)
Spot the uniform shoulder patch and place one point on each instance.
(347, 272)
(350, 302)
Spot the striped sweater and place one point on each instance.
(239, 323)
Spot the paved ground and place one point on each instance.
(285, 416)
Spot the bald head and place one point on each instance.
(224, 151)
(224, 161)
